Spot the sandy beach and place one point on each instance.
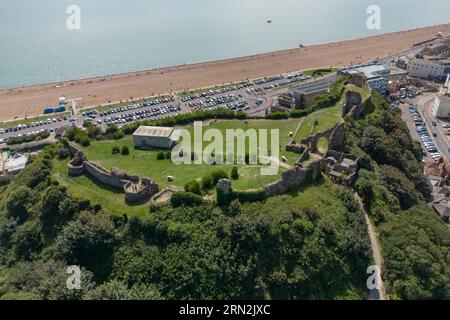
(30, 101)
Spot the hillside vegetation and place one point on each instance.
(415, 242)
(311, 244)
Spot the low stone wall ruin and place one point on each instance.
(292, 178)
(136, 190)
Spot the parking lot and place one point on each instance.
(250, 96)
(425, 135)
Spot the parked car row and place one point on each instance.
(167, 110)
(214, 92)
(212, 102)
(132, 106)
(31, 133)
(34, 124)
(425, 135)
(268, 79)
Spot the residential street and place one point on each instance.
(425, 104)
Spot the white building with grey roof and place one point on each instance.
(147, 137)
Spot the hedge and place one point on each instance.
(34, 137)
(193, 187)
(183, 119)
(187, 199)
(241, 196)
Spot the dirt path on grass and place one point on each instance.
(374, 294)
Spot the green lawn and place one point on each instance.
(112, 200)
(316, 73)
(326, 118)
(144, 163)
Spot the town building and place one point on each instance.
(376, 75)
(305, 93)
(15, 164)
(441, 106)
(429, 68)
(147, 137)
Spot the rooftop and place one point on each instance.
(315, 86)
(370, 71)
(153, 131)
(15, 164)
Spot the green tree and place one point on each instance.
(115, 149)
(125, 150)
(234, 173)
(18, 203)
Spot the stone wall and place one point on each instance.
(294, 147)
(136, 190)
(292, 178)
(353, 105)
(102, 175)
(335, 136)
(76, 165)
(135, 193)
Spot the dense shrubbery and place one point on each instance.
(186, 118)
(212, 178)
(28, 138)
(79, 136)
(187, 199)
(193, 187)
(234, 173)
(241, 196)
(125, 150)
(115, 149)
(414, 241)
(160, 155)
(417, 255)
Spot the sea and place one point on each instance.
(45, 41)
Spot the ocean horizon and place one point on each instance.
(123, 36)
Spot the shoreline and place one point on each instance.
(125, 73)
(19, 102)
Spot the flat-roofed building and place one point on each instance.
(429, 69)
(376, 75)
(146, 137)
(303, 94)
(15, 164)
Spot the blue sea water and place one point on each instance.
(124, 35)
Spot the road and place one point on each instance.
(408, 119)
(425, 104)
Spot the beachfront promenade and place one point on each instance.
(30, 101)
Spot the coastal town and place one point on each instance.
(412, 80)
(317, 173)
